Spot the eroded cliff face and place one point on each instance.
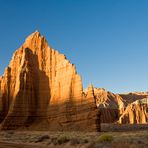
(4, 94)
(136, 112)
(121, 108)
(109, 105)
(41, 87)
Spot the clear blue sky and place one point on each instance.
(107, 40)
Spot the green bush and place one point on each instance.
(104, 138)
(62, 139)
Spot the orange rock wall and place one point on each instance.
(41, 86)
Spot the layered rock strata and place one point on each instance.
(136, 112)
(41, 87)
(109, 105)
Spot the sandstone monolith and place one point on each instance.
(40, 89)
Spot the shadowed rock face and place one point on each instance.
(41, 89)
(136, 112)
(108, 104)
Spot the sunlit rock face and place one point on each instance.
(41, 89)
(78, 112)
(136, 112)
(109, 105)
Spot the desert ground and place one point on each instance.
(112, 136)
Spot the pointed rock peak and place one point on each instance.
(90, 86)
(35, 41)
(90, 92)
(37, 31)
(34, 34)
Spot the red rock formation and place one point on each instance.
(136, 112)
(41, 88)
(4, 93)
(107, 99)
(109, 104)
(114, 107)
(80, 111)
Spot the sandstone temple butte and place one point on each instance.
(40, 89)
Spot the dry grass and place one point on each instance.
(129, 139)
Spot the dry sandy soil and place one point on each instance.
(119, 137)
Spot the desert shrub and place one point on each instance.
(104, 138)
(62, 139)
(42, 138)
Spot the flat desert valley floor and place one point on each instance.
(112, 136)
